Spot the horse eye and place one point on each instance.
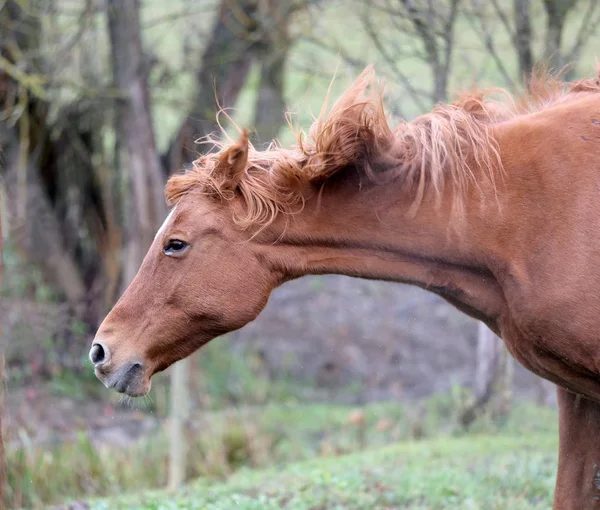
(174, 246)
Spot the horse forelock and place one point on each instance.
(452, 144)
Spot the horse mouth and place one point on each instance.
(128, 379)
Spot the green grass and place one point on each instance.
(228, 451)
(484, 472)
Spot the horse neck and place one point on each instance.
(365, 231)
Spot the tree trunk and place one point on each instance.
(270, 103)
(180, 404)
(493, 377)
(38, 235)
(245, 32)
(28, 152)
(47, 163)
(434, 25)
(489, 353)
(274, 49)
(523, 37)
(35, 227)
(223, 71)
(504, 386)
(426, 31)
(556, 11)
(134, 127)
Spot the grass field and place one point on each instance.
(482, 472)
(297, 456)
(315, 457)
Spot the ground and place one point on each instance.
(295, 455)
(485, 472)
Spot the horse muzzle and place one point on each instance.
(128, 377)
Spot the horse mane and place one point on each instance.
(444, 146)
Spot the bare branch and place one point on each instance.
(505, 21)
(449, 35)
(556, 17)
(423, 29)
(523, 38)
(485, 35)
(391, 61)
(185, 13)
(588, 25)
(32, 82)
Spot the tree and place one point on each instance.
(432, 24)
(272, 54)
(245, 32)
(179, 414)
(134, 128)
(76, 204)
(492, 384)
(555, 53)
(60, 214)
(522, 37)
(556, 12)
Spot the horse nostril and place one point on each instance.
(98, 354)
(129, 378)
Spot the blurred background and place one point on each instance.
(100, 101)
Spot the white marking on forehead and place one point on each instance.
(165, 223)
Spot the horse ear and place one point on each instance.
(232, 163)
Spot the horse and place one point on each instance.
(491, 202)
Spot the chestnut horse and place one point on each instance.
(493, 205)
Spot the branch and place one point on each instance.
(423, 30)
(587, 28)
(177, 15)
(32, 82)
(505, 22)
(449, 35)
(338, 51)
(392, 62)
(82, 23)
(355, 63)
(485, 36)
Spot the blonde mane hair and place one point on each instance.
(444, 146)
